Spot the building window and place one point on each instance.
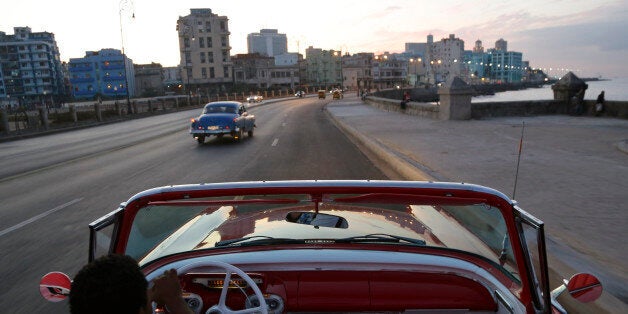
(201, 42)
(208, 26)
(204, 72)
(210, 57)
(202, 54)
(211, 72)
(222, 26)
(226, 71)
(209, 42)
(224, 41)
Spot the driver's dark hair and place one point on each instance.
(109, 284)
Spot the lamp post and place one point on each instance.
(186, 30)
(415, 63)
(123, 5)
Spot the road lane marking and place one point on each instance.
(275, 142)
(40, 216)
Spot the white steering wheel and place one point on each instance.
(229, 269)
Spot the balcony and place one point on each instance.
(82, 80)
(86, 68)
(112, 78)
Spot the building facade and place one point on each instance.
(357, 70)
(389, 71)
(261, 72)
(31, 72)
(446, 59)
(506, 66)
(324, 68)
(105, 74)
(268, 42)
(205, 52)
(149, 80)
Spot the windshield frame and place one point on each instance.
(430, 191)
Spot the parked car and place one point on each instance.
(337, 246)
(321, 94)
(254, 98)
(299, 94)
(220, 118)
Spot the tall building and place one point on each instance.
(268, 42)
(506, 66)
(31, 71)
(446, 58)
(205, 51)
(102, 74)
(501, 45)
(478, 48)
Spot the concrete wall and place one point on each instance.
(617, 109)
(428, 110)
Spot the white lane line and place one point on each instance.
(275, 142)
(40, 216)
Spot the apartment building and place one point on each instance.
(106, 73)
(324, 68)
(31, 72)
(204, 47)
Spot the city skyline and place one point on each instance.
(586, 37)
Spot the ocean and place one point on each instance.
(614, 89)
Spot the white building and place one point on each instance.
(446, 58)
(268, 42)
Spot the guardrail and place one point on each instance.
(18, 123)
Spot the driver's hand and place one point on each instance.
(166, 291)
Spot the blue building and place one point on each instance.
(102, 74)
(506, 66)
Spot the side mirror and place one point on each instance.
(55, 286)
(582, 287)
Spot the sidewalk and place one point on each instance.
(573, 175)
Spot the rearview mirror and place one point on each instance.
(317, 220)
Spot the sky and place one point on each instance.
(587, 37)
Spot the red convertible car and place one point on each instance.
(220, 118)
(337, 246)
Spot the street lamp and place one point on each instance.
(186, 30)
(123, 5)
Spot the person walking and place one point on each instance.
(578, 102)
(599, 104)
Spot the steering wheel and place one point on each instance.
(229, 269)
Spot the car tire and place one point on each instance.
(200, 139)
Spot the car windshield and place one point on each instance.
(164, 228)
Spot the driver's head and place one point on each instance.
(110, 284)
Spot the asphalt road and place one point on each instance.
(52, 187)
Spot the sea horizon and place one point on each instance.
(614, 89)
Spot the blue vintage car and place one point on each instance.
(220, 118)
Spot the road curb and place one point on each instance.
(385, 153)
